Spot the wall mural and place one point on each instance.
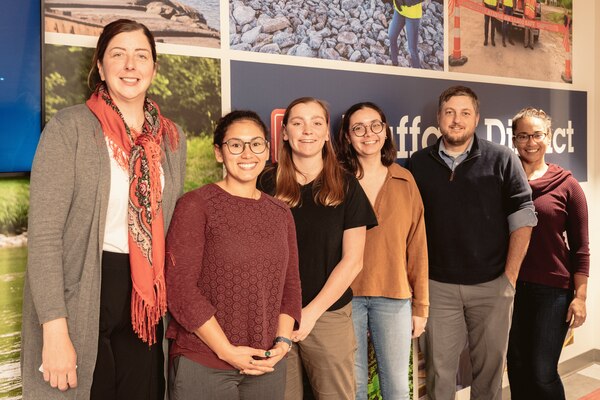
(341, 34)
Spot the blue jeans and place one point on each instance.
(536, 339)
(390, 324)
(412, 35)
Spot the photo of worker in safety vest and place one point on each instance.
(524, 25)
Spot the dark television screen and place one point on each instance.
(20, 84)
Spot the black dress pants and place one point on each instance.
(126, 367)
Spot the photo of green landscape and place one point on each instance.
(14, 204)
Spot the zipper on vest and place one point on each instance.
(443, 163)
(437, 158)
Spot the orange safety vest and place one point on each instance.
(529, 10)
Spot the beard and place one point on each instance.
(455, 139)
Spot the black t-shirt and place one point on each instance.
(320, 230)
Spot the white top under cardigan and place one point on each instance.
(115, 230)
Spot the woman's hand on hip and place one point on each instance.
(59, 359)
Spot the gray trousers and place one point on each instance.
(189, 380)
(480, 314)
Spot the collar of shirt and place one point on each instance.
(451, 161)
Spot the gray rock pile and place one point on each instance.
(349, 30)
(13, 241)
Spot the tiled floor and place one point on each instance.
(584, 384)
(581, 385)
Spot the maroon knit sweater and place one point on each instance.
(234, 258)
(561, 210)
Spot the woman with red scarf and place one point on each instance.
(104, 184)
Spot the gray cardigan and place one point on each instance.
(70, 183)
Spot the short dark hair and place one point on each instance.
(236, 116)
(458, 91)
(108, 33)
(346, 152)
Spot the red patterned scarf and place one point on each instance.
(141, 156)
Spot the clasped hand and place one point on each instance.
(251, 361)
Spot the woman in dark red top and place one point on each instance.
(552, 284)
(232, 277)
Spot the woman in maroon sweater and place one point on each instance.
(232, 277)
(552, 284)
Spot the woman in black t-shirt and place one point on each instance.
(332, 214)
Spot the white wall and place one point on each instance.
(586, 74)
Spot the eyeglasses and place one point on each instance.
(524, 137)
(360, 130)
(257, 145)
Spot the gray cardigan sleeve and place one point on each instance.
(51, 191)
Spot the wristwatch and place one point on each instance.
(284, 340)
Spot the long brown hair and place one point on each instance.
(328, 187)
(346, 152)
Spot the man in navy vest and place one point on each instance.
(479, 216)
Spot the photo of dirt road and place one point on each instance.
(187, 22)
(546, 61)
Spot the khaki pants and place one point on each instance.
(478, 313)
(328, 358)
